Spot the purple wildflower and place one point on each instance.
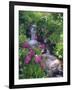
(27, 59)
(32, 53)
(26, 45)
(38, 59)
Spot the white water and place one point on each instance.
(33, 40)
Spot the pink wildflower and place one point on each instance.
(26, 45)
(27, 59)
(38, 59)
(32, 53)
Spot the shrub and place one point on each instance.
(22, 39)
(58, 50)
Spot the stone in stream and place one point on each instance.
(53, 66)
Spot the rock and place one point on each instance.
(53, 66)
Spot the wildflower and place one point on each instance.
(26, 45)
(27, 59)
(32, 53)
(38, 59)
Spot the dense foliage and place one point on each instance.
(49, 29)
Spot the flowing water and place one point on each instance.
(33, 42)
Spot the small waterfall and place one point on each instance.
(33, 32)
(33, 42)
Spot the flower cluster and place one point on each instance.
(29, 56)
(32, 53)
(38, 59)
